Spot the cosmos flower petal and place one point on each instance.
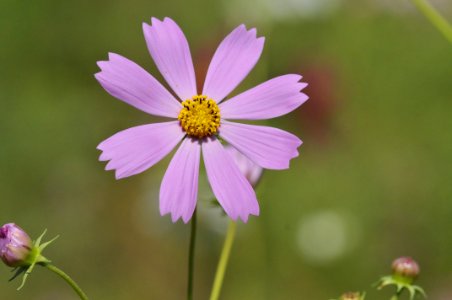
(130, 83)
(248, 168)
(179, 189)
(169, 49)
(233, 60)
(229, 185)
(136, 149)
(269, 147)
(273, 98)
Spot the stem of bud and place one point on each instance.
(68, 279)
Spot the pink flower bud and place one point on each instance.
(15, 245)
(405, 267)
(248, 168)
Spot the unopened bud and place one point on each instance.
(352, 296)
(404, 271)
(15, 245)
(405, 267)
(248, 168)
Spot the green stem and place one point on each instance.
(68, 279)
(434, 17)
(222, 264)
(191, 257)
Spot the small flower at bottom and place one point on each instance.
(201, 120)
(405, 267)
(20, 252)
(404, 271)
(352, 296)
(15, 245)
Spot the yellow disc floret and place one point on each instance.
(200, 116)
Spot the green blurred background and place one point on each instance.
(373, 180)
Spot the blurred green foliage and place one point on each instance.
(373, 178)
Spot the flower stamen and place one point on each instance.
(200, 116)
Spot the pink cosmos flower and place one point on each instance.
(200, 119)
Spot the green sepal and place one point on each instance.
(401, 283)
(34, 257)
(43, 246)
(18, 271)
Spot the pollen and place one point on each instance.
(200, 116)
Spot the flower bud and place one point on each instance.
(405, 267)
(248, 168)
(352, 296)
(15, 245)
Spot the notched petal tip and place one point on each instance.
(294, 77)
(110, 166)
(241, 27)
(169, 20)
(260, 42)
(145, 26)
(104, 157)
(174, 216)
(102, 64)
(299, 143)
(98, 76)
(155, 21)
(304, 97)
(301, 85)
(114, 56)
(245, 217)
(297, 79)
(101, 146)
(119, 176)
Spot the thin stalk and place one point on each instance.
(191, 257)
(68, 279)
(222, 264)
(435, 18)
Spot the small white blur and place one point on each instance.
(326, 236)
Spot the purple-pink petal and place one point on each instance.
(179, 189)
(136, 149)
(127, 81)
(273, 98)
(269, 147)
(248, 168)
(233, 60)
(169, 49)
(229, 185)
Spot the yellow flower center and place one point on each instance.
(200, 116)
